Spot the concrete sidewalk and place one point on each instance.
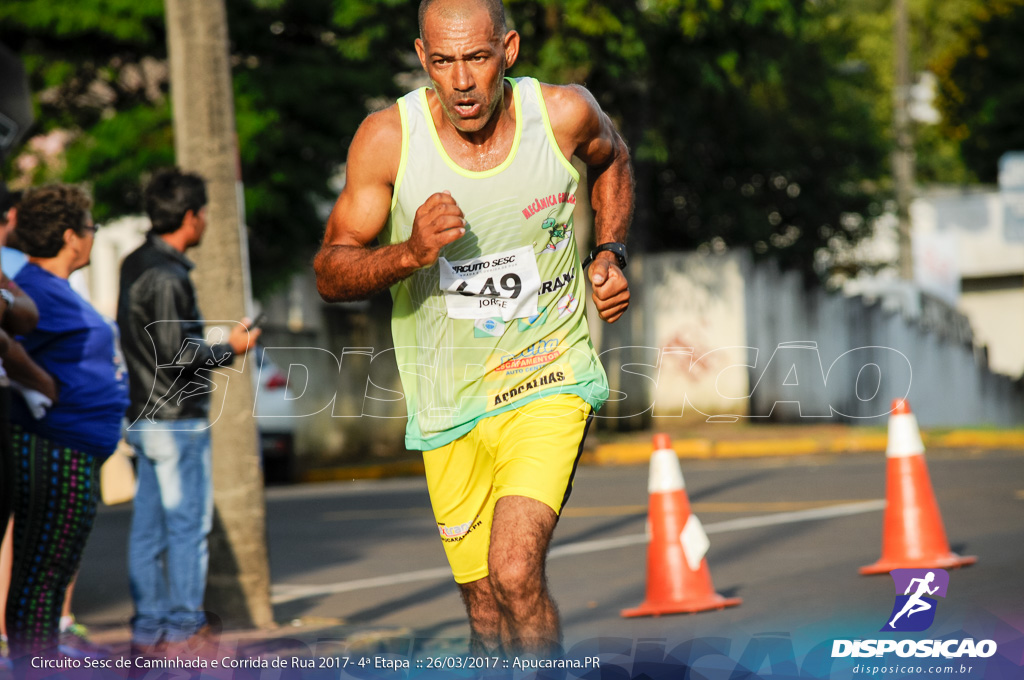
(721, 439)
(305, 638)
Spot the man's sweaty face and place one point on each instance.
(466, 63)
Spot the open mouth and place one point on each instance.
(467, 108)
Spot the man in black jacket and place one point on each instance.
(170, 366)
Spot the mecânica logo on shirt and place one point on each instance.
(550, 201)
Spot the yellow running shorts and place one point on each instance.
(530, 451)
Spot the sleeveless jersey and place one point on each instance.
(500, 319)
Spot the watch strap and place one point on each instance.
(618, 249)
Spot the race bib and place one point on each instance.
(500, 285)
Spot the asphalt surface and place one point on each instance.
(361, 560)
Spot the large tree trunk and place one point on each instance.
(238, 589)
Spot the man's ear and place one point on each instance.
(190, 219)
(421, 52)
(511, 45)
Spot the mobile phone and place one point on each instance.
(260, 320)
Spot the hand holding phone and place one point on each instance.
(260, 320)
(243, 337)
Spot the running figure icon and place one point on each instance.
(915, 604)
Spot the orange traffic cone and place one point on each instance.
(912, 531)
(678, 580)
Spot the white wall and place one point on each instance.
(923, 357)
(113, 242)
(697, 323)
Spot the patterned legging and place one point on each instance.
(56, 489)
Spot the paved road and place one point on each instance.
(787, 535)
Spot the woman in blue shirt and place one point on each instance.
(58, 456)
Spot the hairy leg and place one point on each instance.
(520, 534)
(484, 617)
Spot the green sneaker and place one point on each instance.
(5, 655)
(75, 643)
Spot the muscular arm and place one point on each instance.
(347, 266)
(582, 129)
(609, 172)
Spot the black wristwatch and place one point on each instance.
(619, 249)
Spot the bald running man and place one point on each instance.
(468, 188)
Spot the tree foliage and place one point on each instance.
(761, 123)
(305, 73)
(942, 35)
(982, 86)
(743, 126)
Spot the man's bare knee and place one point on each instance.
(519, 541)
(484, 616)
(478, 597)
(513, 579)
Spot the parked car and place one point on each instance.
(275, 418)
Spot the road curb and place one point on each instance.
(639, 452)
(346, 473)
(978, 440)
(631, 453)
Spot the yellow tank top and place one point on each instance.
(500, 319)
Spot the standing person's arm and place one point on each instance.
(172, 308)
(583, 130)
(347, 267)
(20, 315)
(21, 368)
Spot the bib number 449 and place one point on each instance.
(503, 284)
(510, 283)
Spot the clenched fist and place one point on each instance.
(611, 290)
(438, 222)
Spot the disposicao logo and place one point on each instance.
(914, 611)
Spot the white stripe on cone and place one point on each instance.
(665, 474)
(904, 437)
